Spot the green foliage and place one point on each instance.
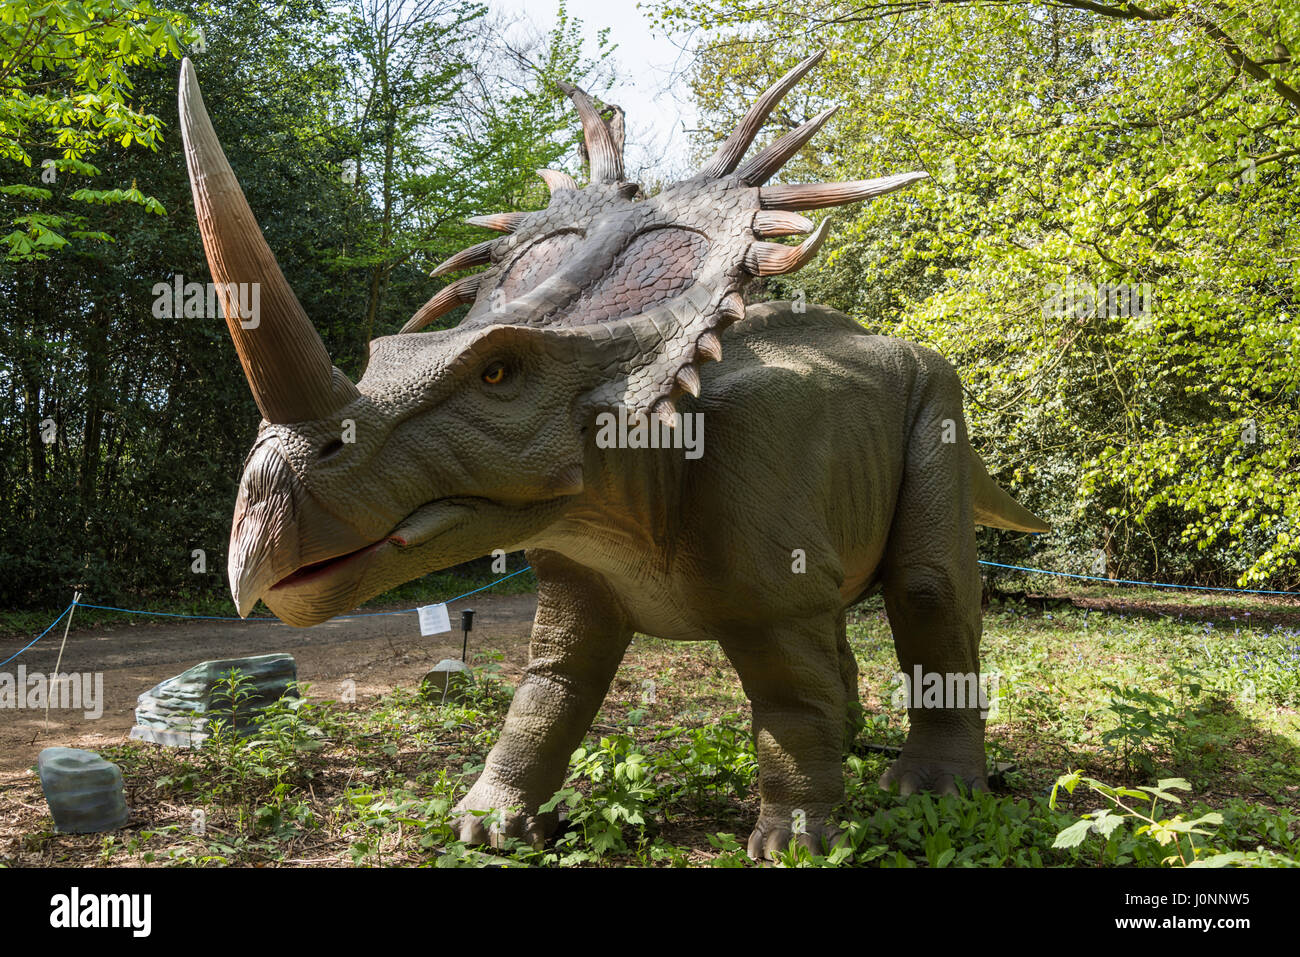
(65, 95)
(713, 764)
(1256, 664)
(1145, 719)
(731, 853)
(620, 791)
(440, 126)
(253, 759)
(1140, 808)
(374, 784)
(974, 830)
(1076, 147)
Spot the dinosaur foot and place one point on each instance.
(493, 819)
(916, 773)
(772, 835)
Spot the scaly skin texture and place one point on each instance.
(819, 438)
(833, 463)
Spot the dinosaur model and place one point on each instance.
(845, 450)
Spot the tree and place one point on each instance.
(434, 141)
(65, 93)
(123, 427)
(1106, 249)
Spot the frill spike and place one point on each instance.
(605, 156)
(820, 195)
(501, 222)
(774, 259)
(556, 180)
(778, 222)
(666, 411)
(709, 346)
(459, 293)
(732, 306)
(688, 377)
(730, 153)
(765, 164)
(478, 255)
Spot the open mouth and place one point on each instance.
(420, 528)
(309, 573)
(424, 523)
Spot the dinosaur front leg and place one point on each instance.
(795, 683)
(579, 637)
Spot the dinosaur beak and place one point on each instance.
(264, 532)
(288, 369)
(280, 534)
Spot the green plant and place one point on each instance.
(620, 796)
(1143, 718)
(715, 762)
(731, 853)
(255, 759)
(969, 830)
(232, 695)
(1146, 720)
(1141, 807)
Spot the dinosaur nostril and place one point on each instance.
(330, 449)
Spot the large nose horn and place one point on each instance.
(288, 369)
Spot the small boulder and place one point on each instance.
(448, 681)
(83, 790)
(176, 712)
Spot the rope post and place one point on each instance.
(49, 681)
(466, 625)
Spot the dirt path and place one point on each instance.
(377, 654)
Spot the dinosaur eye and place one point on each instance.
(495, 373)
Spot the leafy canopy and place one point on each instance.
(1076, 150)
(65, 93)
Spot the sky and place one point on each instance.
(649, 86)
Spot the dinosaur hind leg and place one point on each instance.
(932, 595)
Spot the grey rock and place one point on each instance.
(83, 790)
(448, 681)
(177, 712)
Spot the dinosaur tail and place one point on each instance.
(994, 507)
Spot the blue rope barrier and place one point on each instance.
(407, 611)
(1127, 581)
(369, 614)
(172, 614)
(38, 637)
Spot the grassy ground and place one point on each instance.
(1107, 682)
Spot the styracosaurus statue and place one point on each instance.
(845, 450)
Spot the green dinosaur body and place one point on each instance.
(823, 439)
(833, 463)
